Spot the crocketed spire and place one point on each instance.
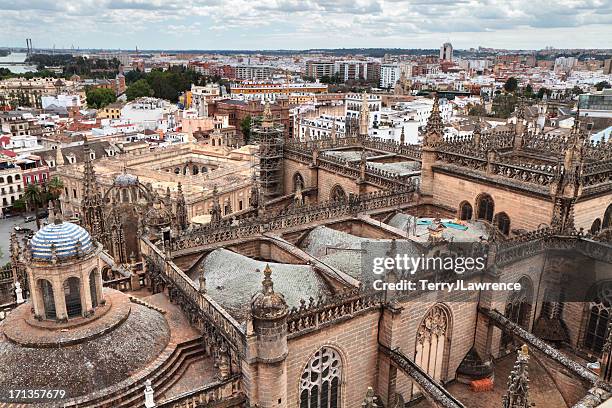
(434, 129)
(517, 395)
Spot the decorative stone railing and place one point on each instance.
(228, 391)
(538, 241)
(292, 217)
(323, 312)
(411, 151)
(523, 174)
(197, 305)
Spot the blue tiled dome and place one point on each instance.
(65, 236)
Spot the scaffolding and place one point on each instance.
(269, 166)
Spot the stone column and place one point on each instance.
(60, 301)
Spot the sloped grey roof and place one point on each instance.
(347, 252)
(232, 279)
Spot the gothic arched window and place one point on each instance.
(596, 226)
(598, 318)
(485, 206)
(46, 291)
(502, 222)
(518, 308)
(320, 381)
(72, 296)
(432, 337)
(338, 194)
(607, 219)
(465, 211)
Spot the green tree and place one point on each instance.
(576, 90)
(100, 97)
(19, 205)
(511, 85)
(138, 89)
(33, 197)
(528, 91)
(543, 91)
(55, 187)
(245, 128)
(477, 110)
(602, 85)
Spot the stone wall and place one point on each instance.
(585, 212)
(525, 212)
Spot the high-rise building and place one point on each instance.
(446, 52)
(318, 69)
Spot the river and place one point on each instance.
(16, 57)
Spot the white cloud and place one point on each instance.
(306, 23)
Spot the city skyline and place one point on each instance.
(293, 25)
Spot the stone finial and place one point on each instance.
(19, 293)
(202, 282)
(267, 284)
(223, 363)
(402, 137)
(517, 395)
(268, 304)
(149, 395)
(370, 400)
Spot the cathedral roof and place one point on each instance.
(64, 239)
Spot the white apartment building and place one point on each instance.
(352, 103)
(389, 75)
(201, 95)
(11, 183)
(256, 72)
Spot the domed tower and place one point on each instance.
(268, 345)
(63, 272)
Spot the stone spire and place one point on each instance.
(333, 131)
(59, 157)
(255, 193)
(517, 395)
(402, 137)
(267, 120)
(364, 116)
(434, 130)
(181, 209)
(92, 204)
(477, 133)
(215, 212)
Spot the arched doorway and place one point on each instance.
(502, 222)
(465, 211)
(93, 289)
(46, 291)
(607, 219)
(338, 194)
(432, 343)
(72, 297)
(321, 380)
(298, 181)
(485, 206)
(518, 309)
(596, 226)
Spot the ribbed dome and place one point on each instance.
(64, 236)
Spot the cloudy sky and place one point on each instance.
(301, 24)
